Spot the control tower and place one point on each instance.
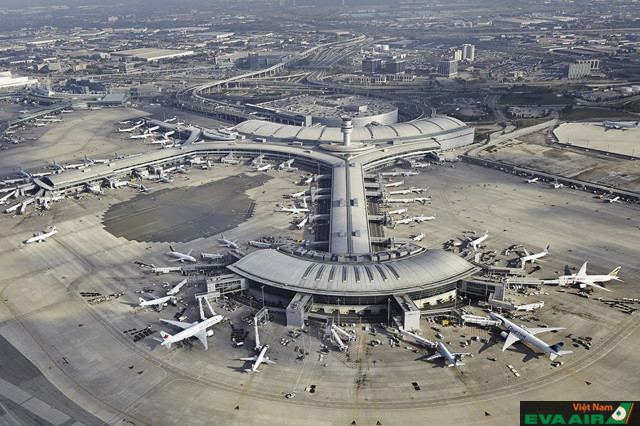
(346, 128)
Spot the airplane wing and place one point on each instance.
(434, 356)
(202, 336)
(248, 359)
(526, 252)
(189, 253)
(268, 361)
(591, 283)
(538, 330)
(183, 325)
(511, 339)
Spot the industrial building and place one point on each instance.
(448, 68)
(9, 81)
(152, 54)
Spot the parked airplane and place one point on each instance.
(475, 243)
(228, 243)
(152, 129)
(424, 218)
(158, 303)
(584, 280)
(181, 257)
(293, 210)
(257, 360)
(532, 180)
(528, 335)
(443, 352)
(418, 237)
(195, 329)
(615, 199)
(392, 184)
(405, 174)
(124, 122)
(181, 169)
(422, 200)
(130, 129)
(532, 257)
(400, 192)
(419, 190)
(298, 194)
(303, 222)
(169, 133)
(405, 221)
(557, 185)
(23, 173)
(42, 236)
(619, 126)
(399, 211)
(57, 166)
(169, 120)
(264, 168)
(164, 179)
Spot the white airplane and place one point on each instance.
(42, 236)
(528, 335)
(197, 329)
(424, 218)
(181, 257)
(228, 243)
(23, 173)
(57, 166)
(533, 257)
(399, 211)
(443, 352)
(130, 129)
(400, 200)
(308, 180)
(181, 169)
(400, 192)
(142, 136)
(257, 360)
(418, 237)
(229, 159)
(124, 122)
(298, 194)
(584, 280)
(533, 180)
(475, 243)
(164, 179)
(88, 161)
(405, 174)
(393, 184)
(615, 199)
(618, 125)
(169, 133)
(169, 120)
(419, 190)
(293, 210)
(557, 185)
(303, 222)
(158, 303)
(264, 168)
(152, 129)
(405, 221)
(422, 200)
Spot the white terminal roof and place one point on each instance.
(401, 275)
(417, 129)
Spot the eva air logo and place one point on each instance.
(621, 414)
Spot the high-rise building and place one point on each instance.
(371, 65)
(579, 69)
(253, 60)
(457, 54)
(448, 68)
(396, 66)
(468, 52)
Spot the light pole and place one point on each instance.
(262, 288)
(338, 312)
(388, 312)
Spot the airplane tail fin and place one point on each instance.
(171, 247)
(557, 346)
(614, 273)
(547, 249)
(141, 300)
(165, 336)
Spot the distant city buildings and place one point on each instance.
(448, 68)
(371, 65)
(582, 68)
(468, 52)
(377, 65)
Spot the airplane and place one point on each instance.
(405, 174)
(400, 200)
(130, 129)
(23, 173)
(124, 122)
(475, 243)
(169, 120)
(88, 161)
(400, 192)
(422, 200)
(228, 243)
(418, 237)
(298, 194)
(619, 126)
(404, 221)
(42, 236)
(181, 257)
(418, 165)
(197, 329)
(399, 211)
(57, 166)
(419, 190)
(424, 218)
(532, 257)
(144, 188)
(257, 360)
(229, 159)
(152, 129)
(557, 185)
(169, 133)
(164, 179)
(308, 180)
(293, 210)
(528, 335)
(392, 184)
(615, 199)
(443, 352)
(264, 168)
(303, 222)
(158, 303)
(142, 136)
(533, 180)
(585, 280)
(181, 169)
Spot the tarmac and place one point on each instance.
(87, 351)
(597, 137)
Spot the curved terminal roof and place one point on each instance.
(418, 129)
(308, 275)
